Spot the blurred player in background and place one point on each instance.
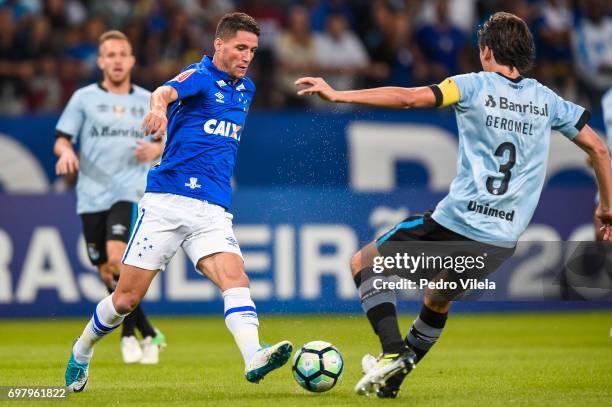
(504, 122)
(104, 118)
(204, 109)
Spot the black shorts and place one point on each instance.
(420, 227)
(420, 235)
(113, 224)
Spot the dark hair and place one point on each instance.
(510, 40)
(231, 23)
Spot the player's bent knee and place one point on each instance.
(125, 303)
(235, 278)
(226, 270)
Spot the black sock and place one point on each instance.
(431, 322)
(143, 324)
(129, 323)
(357, 279)
(425, 331)
(380, 311)
(383, 318)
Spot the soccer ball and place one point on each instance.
(317, 366)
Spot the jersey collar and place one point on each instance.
(208, 63)
(106, 90)
(515, 80)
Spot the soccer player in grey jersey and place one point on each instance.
(104, 118)
(504, 123)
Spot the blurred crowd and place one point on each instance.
(48, 48)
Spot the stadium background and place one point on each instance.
(313, 181)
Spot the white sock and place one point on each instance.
(104, 320)
(241, 320)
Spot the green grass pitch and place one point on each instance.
(505, 359)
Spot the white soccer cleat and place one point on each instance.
(130, 349)
(386, 366)
(367, 363)
(150, 352)
(267, 359)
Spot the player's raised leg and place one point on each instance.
(108, 315)
(380, 308)
(226, 270)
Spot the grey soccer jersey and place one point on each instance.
(504, 134)
(107, 126)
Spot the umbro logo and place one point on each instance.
(231, 241)
(490, 101)
(219, 97)
(240, 87)
(221, 83)
(118, 229)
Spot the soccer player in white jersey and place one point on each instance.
(504, 122)
(187, 198)
(115, 155)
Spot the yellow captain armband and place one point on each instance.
(446, 92)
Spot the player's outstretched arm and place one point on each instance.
(390, 97)
(155, 121)
(68, 162)
(590, 142)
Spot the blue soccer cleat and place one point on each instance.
(76, 375)
(267, 359)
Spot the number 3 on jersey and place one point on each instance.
(504, 169)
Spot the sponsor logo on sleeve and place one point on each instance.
(183, 75)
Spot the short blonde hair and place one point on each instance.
(113, 35)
